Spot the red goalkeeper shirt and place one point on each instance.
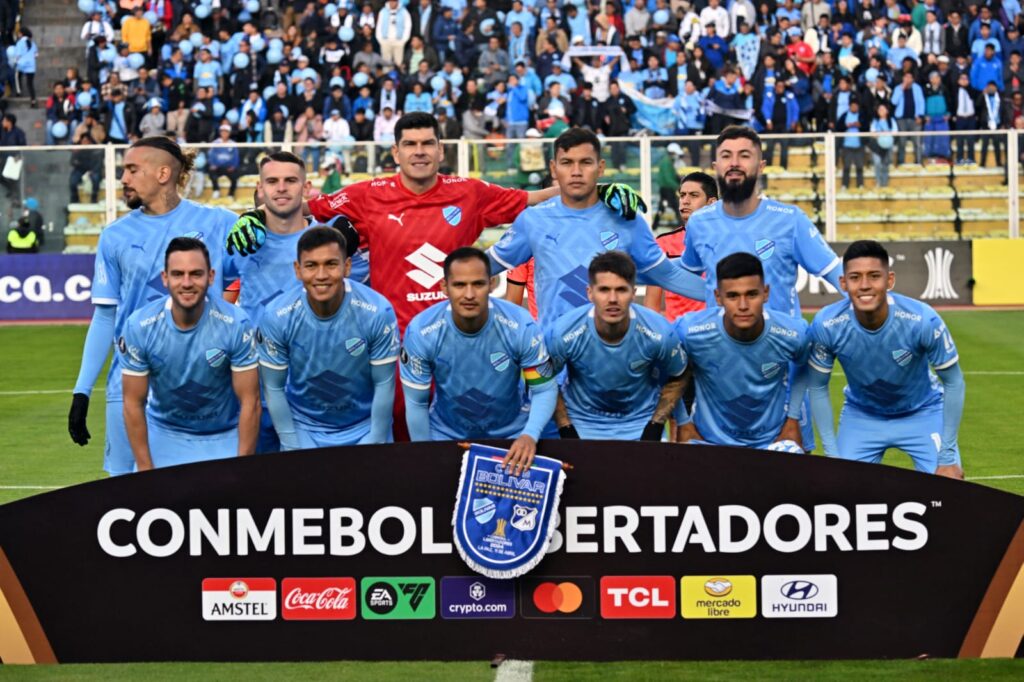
(409, 235)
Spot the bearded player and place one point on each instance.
(129, 266)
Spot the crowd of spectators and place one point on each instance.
(299, 71)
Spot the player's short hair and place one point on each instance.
(706, 182)
(184, 157)
(465, 253)
(737, 132)
(740, 264)
(321, 235)
(415, 121)
(186, 244)
(866, 248)
(574, 137)
(283, 157)
(616, 262)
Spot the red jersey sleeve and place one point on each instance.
(519, 274)
(349, 201)
(497, 205)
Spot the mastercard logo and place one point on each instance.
(558, 597)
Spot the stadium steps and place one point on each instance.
(56, 26)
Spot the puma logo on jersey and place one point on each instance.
(397, 218)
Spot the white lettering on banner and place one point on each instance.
(39, 289)
(784, 528)
(811, 284)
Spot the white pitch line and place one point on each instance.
(994, 478)
(52, 391)
(514, 671)
(31, 487)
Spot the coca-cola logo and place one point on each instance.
(318, 598)
(333, 598)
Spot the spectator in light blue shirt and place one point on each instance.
(900, 52)
(418, 100)
(978, 45)
(207, 72)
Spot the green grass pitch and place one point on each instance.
(38, 365)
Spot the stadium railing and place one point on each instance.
(937, 200)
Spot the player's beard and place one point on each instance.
(134, 202)
(735, 193)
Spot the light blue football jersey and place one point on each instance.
(611, 390)
(562, 241)
(887, 370)
(478, 377)
(741, 386)
(189, 370)
(130, 258)
(266, 275)
(779, 234)
(330, 387)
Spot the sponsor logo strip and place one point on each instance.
(718, 596)
(318, 598)
(557, 597)
(799, 596)
(403, 598)
(638, 596)
(239, 599)
(477, 597)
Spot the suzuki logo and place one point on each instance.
(428, 261)
(799, 590)
(940, 265)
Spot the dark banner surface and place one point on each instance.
(663, 552)
(45, 287)
(935, 272)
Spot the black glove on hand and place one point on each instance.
(568, 432)
(76, 418)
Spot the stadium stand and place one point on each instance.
(273, 72)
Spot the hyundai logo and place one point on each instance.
(799, 590)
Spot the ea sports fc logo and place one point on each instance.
(558, 597)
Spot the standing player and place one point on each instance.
(473, 347)
(779, 234)
(195, 359)
(564, 234)
(129, 263)
(328, 355)
(697, 190)
(625, 367)
(886, 343)
(740, 354)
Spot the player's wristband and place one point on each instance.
(568, 432)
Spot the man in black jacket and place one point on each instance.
(587, 110)
(617, 112)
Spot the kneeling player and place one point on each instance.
(473, 347)
(625, 367)
(327, 356)
(740, 355)
(195, 358)
(885, 343)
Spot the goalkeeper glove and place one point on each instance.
(248, 233)
(568, 432)
(622, 199)
(76, 419)
(653, 431)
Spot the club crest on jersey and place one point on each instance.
(765, 248)
(770, 369)
(500, 361)
(902, 357)
(215, 356)
(637, 365)
(452, 215)
(609, 240)
(355, 346)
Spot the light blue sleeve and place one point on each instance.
(244, 354)
(134, 353)
(671, 357)
(674, 278)
(384, 344)
(954, 391)
(821, 410)
(417, 365)
(274, 381)
(556, 348)
(417, 412)
(691, 258)
(383, 403)
(272, 346)
(543, 398)
(813, 252)
(98, 341)
(106, 281)
(513, 248)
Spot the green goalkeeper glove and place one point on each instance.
(622, 199)
(248, 233)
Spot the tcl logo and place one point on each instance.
(638, 596)
(318, 598)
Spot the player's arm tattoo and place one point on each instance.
(671, 392)
(561, 413)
